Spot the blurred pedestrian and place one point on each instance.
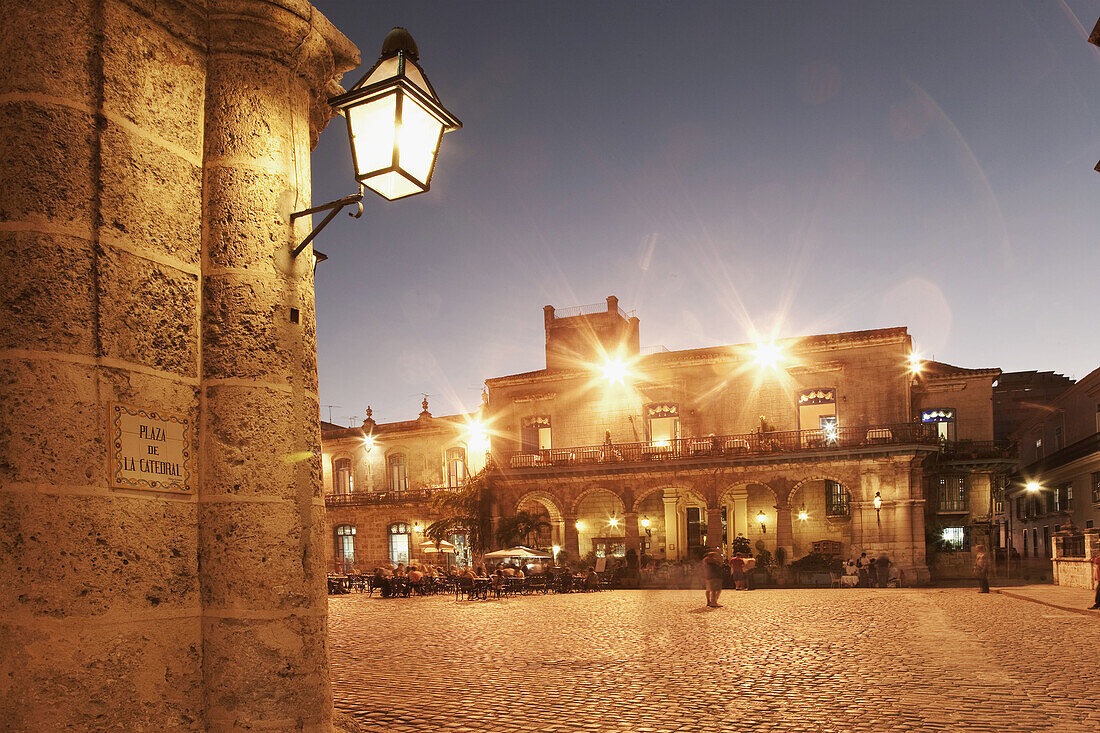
(712, 577)
(981, 569)
(1096, 576)
(882, 569)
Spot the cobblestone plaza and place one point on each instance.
(655, 661)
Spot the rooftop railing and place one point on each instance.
(586, 310)
(742, 445)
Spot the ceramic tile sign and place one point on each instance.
(150, 449)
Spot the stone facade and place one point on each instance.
(787, 454)
(151, 153)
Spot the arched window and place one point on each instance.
(836, 500)
(345, 547)
(399, 543)
(399, 477)
(456, 467)
(341, 476)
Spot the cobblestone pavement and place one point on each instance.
(770, 660)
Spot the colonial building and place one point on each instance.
(841, 442)
(1056, 492)
(379, 482)
(844, 439)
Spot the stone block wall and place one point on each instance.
(143, 261)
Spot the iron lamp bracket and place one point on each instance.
(333, 208)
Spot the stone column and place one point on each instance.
(741, 513)
(784, 530)
(100, 214)
(261, 527)
(714, 526)
(673, 547)
(630, 526)
(572, 537)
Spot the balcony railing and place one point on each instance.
(376, 498)
(963, 450)
(731, 446)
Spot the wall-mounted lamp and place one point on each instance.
(762, 518)
(878, 505)
(395, 122)
(645, 525)
(417, 529)
(555, 550)
(803, 515)
(612, 522)
(1033, 487)
(579, 525)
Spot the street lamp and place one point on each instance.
(762, 518)
(395, 122)
(612, 522)
(1033, 487)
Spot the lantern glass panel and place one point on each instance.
(373, 127)
(387, 69)
(392, 185)
(417, 140)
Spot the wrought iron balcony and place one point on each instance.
(378, 498)
(744, 445)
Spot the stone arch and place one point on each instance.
(819, 524)
(548, 500)
(594, 490)
(641, 496)
(725, 494)
(811, 479)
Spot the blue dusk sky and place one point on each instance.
(728, 170)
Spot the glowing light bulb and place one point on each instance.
(614, 371)
(613, 522)
(767, 355)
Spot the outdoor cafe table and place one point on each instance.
(339, 584)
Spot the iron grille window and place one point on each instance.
(999, 495)
(955, 539)
(953, 494)
(836, 500)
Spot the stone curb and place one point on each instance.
(1021, 596)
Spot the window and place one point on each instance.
(1046, 542)
(836, 500)
(1019, 508)
(1058, 438)
(535, 434)
(696, 528)
(941, 420)
(1052, 502)
(1068, 503)
(399, 543)
(955, 539)
(952, 493)
(1035, 541)
(341, 476)
(456, 467)
(345, 547)
(662, 423)
(1096, 487)
(817, 410)
(399, 477)
(999, 494)
(1038, 449)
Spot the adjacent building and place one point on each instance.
(380, 480)
(1055, 495)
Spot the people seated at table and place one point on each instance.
(400, 572)
(468, 572)
(519, 573)
(382, 582)
(416, 579)
(507, 569)
(591, 579)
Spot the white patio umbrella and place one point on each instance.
(444, 547)
(522, 553)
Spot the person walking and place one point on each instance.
(882, 568)
(981, 570)
(1096, 576)
(712, 577)
(737, 571)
